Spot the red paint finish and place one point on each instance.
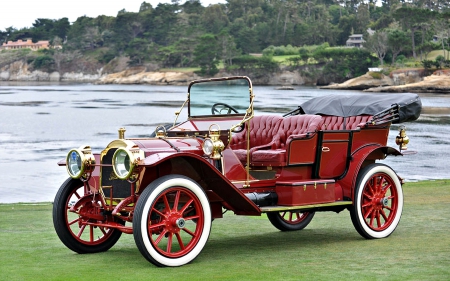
(302, 151)
(297, 193)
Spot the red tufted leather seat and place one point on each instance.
(332, 123)
(294, 127)
(263, 130)
(270, 135)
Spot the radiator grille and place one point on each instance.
(109, 181)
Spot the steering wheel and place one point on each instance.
(219, 107)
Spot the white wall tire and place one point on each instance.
(172, 221)
(378, 202)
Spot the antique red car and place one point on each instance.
(168, 188)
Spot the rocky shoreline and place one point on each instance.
(408, 80)
(412, 81)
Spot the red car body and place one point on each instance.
(172, 185)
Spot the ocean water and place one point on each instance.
(41, 122)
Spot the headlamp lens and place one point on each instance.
(75, 165)
(122, 165)
(208, 147)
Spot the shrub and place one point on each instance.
(44, 61)
(375, 75)
(439, 61)
(427, 64)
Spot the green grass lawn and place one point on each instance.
(433, 54)
(248, 248)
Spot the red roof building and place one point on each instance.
(21, 44)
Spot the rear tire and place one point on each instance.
(290, 221)
(378, 202)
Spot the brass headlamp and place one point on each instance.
(402, 139)
(80, 162)
(125, 161)
(213, 146)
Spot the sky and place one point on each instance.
(23, 13)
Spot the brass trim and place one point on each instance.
(292, 208)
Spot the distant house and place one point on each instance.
(355, 40)
(437, 38)
(22, 44)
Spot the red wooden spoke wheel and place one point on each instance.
(172, 221)
(378, 202)
(290, 220)
(75, 229)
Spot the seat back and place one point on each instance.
(262, 131)
(333, 123)
(298, 126)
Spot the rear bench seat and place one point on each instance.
(270, 136)
(333, 123)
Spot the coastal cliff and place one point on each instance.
(20, 71)
(410, 80)
(439, 82)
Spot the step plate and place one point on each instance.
(291, 208)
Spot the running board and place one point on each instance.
(291, 208)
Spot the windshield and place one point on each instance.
(219, 97)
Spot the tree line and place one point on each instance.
(187, 34)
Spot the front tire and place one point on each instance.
(172, 221)
(378, 202)
(71, 227)
(289, 221)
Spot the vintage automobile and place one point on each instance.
(168, 188)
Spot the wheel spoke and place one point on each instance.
(161, 236)
(177, 199)
(378, 218)
(74, 221)
(368, 212)
(383, 214)
(367, 195)
(189, 232)
(368, 204)
(102, 229)
(155, 226)
(180, 241)
(81, 231)
(191, 218)
(183, 209)
(169, 243)
(158, 212)
(166, 202)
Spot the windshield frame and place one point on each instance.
(244, 113)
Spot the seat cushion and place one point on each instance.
(276, 157)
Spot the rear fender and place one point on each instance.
(201, 171)
(360, 158)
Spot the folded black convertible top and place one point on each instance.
(401, 107)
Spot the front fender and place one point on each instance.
(201, 170)
(363, 156)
